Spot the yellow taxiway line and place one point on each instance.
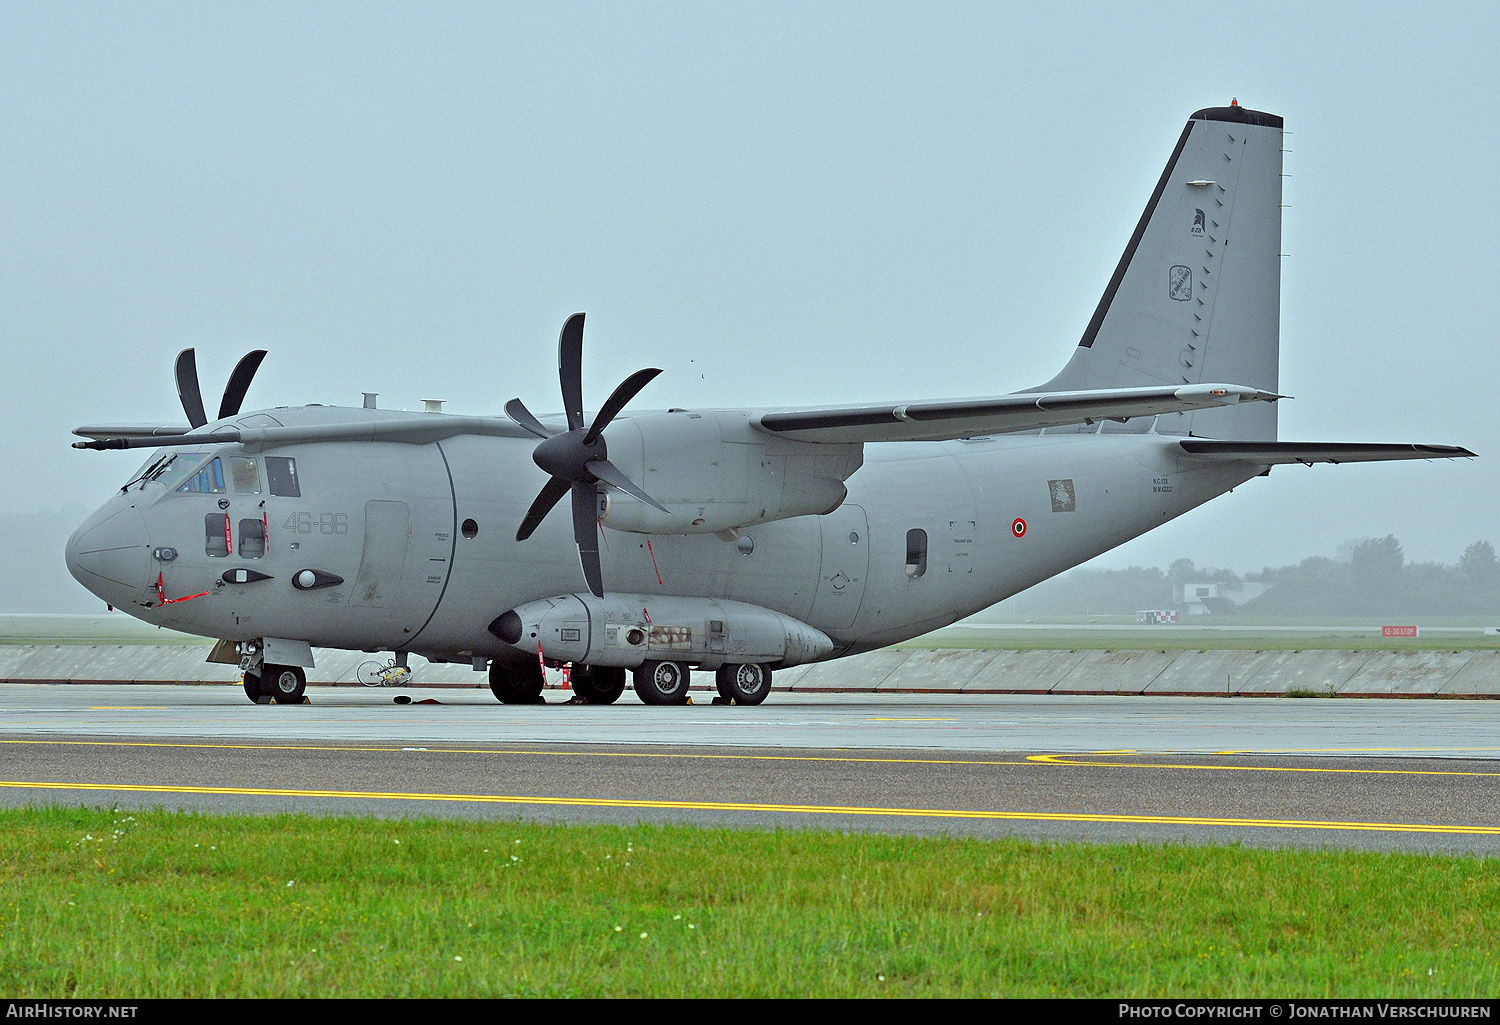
(1082, 761)
(742, 806)
(1059, 759)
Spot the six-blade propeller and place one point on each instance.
(577, 458)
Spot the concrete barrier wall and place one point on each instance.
(890, 670)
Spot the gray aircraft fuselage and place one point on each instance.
(997, 515)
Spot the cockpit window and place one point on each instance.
(281, 473)
(159, 464)
(245, 475)
(207, 481)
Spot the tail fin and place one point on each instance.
(1197, 294)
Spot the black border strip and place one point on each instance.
(1241, 115)
(1092, 331)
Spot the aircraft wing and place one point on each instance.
(417, 429)
(1024, 411)
(131, 430)
(1271, 453)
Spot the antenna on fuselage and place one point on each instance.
(370, 397)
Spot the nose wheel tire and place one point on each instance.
(598, 685)
(743, 684)
(517, 685)
(285, 684)
(662, 683)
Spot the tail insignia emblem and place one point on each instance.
(1180, 283)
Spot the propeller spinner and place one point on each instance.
(577, 458)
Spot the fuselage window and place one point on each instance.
(244, 473)
(252, 539)
(207, 481)
(916, 552)
(281, 473)
(216, 534)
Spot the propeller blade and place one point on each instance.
(545, 499)
(239, 383)
(610, 474)
(623, 393)
(570, 369)
(518, 412)
(187, 388)
(586, 533)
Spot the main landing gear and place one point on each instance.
(598, 685)
(662, 683)
(743, 684)
(284, 685)
(656, 683)
(517, 684)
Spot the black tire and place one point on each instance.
(598, 685)
(662, 683)
(285, 684)
(252, 686)
(517, 685)
(746, 684)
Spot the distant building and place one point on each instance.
(1156, 616)
(1202, 599)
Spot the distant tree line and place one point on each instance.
(1369, 576)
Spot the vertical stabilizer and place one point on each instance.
(1197, 295)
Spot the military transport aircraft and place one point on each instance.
(737, 541)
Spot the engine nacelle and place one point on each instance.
(627, 629)
(716, 472)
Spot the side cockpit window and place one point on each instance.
(245, 475)
(281, 475)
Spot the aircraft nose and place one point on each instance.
(110, 554)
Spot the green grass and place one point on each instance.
(152, 904)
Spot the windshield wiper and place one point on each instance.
(151, 472)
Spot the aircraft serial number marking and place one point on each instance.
(319, 523)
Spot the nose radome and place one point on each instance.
(111, 556)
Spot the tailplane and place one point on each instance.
(1197, 294)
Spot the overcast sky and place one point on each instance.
(777, 203)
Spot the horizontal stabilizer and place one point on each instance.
(967, 418)
(1270, 453)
